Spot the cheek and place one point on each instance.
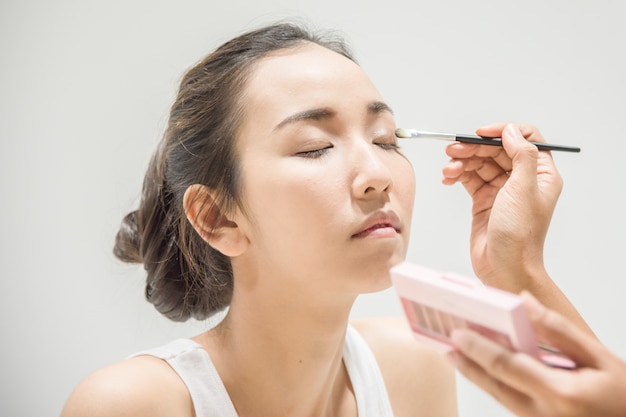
(291, 199)
(405, 183)
(313, 202)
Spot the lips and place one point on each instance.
(380, 224)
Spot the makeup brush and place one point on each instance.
(416, 134)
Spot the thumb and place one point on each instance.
(524, 155)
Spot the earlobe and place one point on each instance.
(211, 223)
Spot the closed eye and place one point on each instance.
(387, 142)
(314, 154)
(388, 146)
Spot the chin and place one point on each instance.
(375, 280)
(373, 271)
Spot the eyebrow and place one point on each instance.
(374, 107)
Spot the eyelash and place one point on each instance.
(314, 154)
(317, 153)
(388, 146)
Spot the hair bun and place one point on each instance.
(127, 240)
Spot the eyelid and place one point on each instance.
(387, 141)
(390, 146)
(314, 153)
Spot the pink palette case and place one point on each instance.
(435, 303)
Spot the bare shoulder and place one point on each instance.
(419, 380)
(390, 338)
(140, 386)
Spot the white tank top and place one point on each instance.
(210, 398)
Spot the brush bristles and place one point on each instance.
(403, 133)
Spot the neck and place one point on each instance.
(280, 354)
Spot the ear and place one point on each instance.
(211, 223)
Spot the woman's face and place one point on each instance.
(327, 194)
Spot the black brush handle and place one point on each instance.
(480, 140)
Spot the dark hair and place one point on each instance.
(186, 277)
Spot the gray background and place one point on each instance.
(84, 93)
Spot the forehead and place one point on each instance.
(306, 76)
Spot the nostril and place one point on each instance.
(372, 173)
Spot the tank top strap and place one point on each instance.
(210, 398)
(366, 378)
(194, 366)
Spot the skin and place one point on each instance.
(597, 387)
(320, 167)
(510, 255)
(507, 237)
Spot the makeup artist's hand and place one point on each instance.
(514, 190)
(527, 387)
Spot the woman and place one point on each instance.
(279, 191)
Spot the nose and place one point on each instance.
(372, 174)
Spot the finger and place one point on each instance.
(564, 335)
(509, 397)
(486, 168)
(517, 370)
(453, 172)
(493, 130)
(470, 181)
(460, 170)
(489, 170)
(474, 184)
(459, 150)
(453, 169)
(523, 154)
(544, 163)
(530, 132)
(466, 151)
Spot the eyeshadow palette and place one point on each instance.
(435, 303)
